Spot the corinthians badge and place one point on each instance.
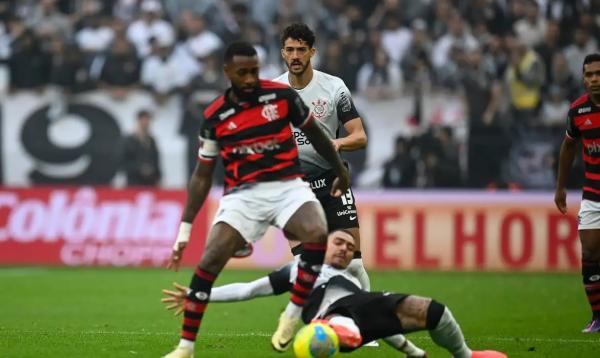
(319, 108)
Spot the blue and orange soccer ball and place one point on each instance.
(316, 340)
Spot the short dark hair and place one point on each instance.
(300, 32)
(593, 57)
(144, 113)
(239, 48)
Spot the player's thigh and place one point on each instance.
(412, 312)
(247, 212)
(307, 224)
(223, 240)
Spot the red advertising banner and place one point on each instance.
(399, 230)
(469, 231)
(91, 226)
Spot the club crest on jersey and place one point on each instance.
(319, 108)
(270, 112)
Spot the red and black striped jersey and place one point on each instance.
(254, 138)
(583, 122)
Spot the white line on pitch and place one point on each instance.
(266, 334)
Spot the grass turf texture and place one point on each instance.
(70, 312)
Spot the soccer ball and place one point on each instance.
(316, 340)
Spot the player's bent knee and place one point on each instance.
(434, 314)
(412, 312)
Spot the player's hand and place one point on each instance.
(336, 144)
(560, 199)
(176, 256)
(340, 184)
(176, 299)
(183, 237)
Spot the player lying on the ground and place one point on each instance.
(339, 253)
(357, 316)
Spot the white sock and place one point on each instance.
(293, 310)
(357, 269)
(184, 343)
(447, 334)
(405, 346)
(346, 322)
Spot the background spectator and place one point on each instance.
(141, 157)
(497, 71)
(400, 170)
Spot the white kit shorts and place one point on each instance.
(253, 209)
(589, 215)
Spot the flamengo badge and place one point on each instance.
(270, 112)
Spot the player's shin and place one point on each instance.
(405, 346)
(195, 305)
(590, 271)
(445, 331)
(309, 267)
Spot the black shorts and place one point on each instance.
(340, 212)
(373, 312)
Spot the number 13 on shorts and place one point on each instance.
(347, 198)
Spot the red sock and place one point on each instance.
(309, 268)
(195, 303)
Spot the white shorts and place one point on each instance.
(589, 215)
(252, 210)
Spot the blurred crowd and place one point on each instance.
(515, 65)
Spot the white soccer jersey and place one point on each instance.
(331, 104)
(327, 272)
(333, 292)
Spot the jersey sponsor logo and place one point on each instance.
(319, 108)
(352, 217)
(595, 278)
(231, 126)
(300, 138)
(257, 148)
(270, 112)
(266, 97)
(318, 184)
(587, 122)
(227, 113)
(593, 147)
(584, 110)
(346, 212)
(346, 104)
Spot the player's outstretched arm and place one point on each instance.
(198, 189)
(325, 148)
(242, 291)
(567, 154)
(227, 293)
(356, 138)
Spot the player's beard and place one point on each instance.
(242, 95)
(302, 70)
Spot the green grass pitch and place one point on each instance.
(85, 312)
